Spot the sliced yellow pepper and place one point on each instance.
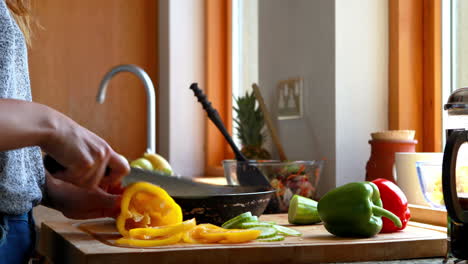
(193, 235)
(146, 205)
(162, 241)
(240, 237)
(154, 232)
(230, 235)
(207, 233)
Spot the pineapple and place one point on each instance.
(250, 122)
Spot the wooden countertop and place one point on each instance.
(44, 214)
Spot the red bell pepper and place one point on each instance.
(394, 200)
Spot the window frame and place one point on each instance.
(218, 77)
(415, 72)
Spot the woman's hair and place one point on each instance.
(21, 11)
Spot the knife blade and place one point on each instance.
(174, 185)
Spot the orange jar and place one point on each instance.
(382, 158)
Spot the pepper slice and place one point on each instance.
(155, 232)
(163, 241)
(193, 236)
(208, 233)
(146, 205)
(239, 236)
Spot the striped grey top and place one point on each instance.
(21, 170)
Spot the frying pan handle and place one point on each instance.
(449, 187)
(214, 117)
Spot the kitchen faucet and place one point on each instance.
(150, 98)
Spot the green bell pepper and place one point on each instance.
(354, 210)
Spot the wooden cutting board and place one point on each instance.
(92, 242)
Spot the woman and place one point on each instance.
(26, 128)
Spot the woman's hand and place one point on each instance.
(80, 203)
(85, 155)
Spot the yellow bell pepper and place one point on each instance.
(146, 205)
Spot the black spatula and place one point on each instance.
(248, 175)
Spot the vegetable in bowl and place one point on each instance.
(287, 178)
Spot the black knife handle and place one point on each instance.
(51, 165)
(216, 119)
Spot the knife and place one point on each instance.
(174, 185)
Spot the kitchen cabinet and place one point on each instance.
(76, 43)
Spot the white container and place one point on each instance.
(407, 176)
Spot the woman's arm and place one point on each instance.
(24, 124)
(79, 203)
(84, 154)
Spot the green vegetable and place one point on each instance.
(272, 239)
(293, 168)
(245, 217)
(266, 231)
(302, 211)
(253, 224)
(287, 231)
(354, 210)
(270, 231)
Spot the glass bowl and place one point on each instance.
(430, 179)
(286, 178)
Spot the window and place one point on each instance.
(458, 30)
(244, 50)
(447, 85)
(454, 50)
(231, 48)
(455, 63)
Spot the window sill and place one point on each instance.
(428, 215)
(212, 180)
(214, 171)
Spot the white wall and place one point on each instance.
(296, 38)
(340, 49)
(361, 79)
(181, 119)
